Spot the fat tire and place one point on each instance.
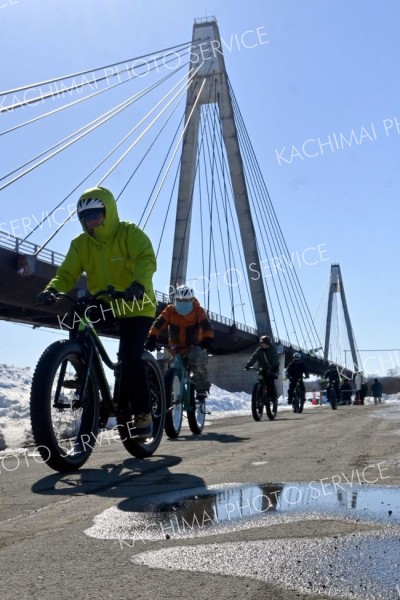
(333, 399)
(146, 448)
(257, 407)
(296, 402)
(44, 414)
(271, 407)
(174, 414)
(196, 416)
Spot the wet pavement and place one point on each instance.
(360, 565)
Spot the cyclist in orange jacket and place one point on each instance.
(190, 330)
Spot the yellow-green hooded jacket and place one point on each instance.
(119, 254)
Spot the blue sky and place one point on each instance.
(320, 102)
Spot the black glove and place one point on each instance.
(150, 343)
(275, 372)
(47, 296)
(246, 367)
(134, 292)
(206, 343)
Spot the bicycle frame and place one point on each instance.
(184, 380)
(257, 407)
(96, 356)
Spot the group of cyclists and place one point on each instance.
(117, 253)
(268, 364)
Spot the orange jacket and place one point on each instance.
(186, 330)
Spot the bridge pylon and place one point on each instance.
(210, 86)
(336, 287)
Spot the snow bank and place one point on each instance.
(15, 383)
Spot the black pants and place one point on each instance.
(269, 381)
(134, 387)
(292, 385)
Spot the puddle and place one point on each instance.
(361, 565)
(232, 507)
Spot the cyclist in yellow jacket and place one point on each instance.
(117, 253)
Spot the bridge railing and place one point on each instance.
(55, 258)
(23, 247)
(164, 298)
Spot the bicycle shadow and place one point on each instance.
(125, 480)
(223, 438)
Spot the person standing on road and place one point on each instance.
(346, 392)
(268, 362)
(117, 253)
(377, 389)
(363, 392)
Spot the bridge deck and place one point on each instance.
(18, 303)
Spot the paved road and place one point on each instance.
(95, 533)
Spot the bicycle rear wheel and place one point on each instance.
(64, 417)
(257, 401)
(196, 416)
(174, 414)
(145, 448)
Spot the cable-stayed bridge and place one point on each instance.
(165, 130)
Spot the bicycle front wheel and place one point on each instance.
(145, 448)
(333, 398)
(296, 400)
(64, 417)
(257, 402)
(271, 406)
(174, 415)
(196, 416)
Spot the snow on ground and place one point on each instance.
(15, 382)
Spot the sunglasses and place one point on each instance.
(91, 215)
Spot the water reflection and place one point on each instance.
(245, 501)
(219, 509)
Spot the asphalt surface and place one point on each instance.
(115, 528)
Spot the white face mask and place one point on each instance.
(183, 307)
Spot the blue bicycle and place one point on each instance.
(180, 396)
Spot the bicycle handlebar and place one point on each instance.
(110, 291)
(169, 347)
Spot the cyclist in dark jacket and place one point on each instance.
(346, 392)
(294, 372)
(268, 361)
(333, 379)
(376, 389)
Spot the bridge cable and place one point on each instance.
(308, 316)
(52, 112)
(174, 153)
(182, 88)
(109, 154)
(51, 94)
(89, 126)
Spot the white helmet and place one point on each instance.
(183, 292)
(89, 204)
(297, 356)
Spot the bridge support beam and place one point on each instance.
(212, 80)
(336, 287)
